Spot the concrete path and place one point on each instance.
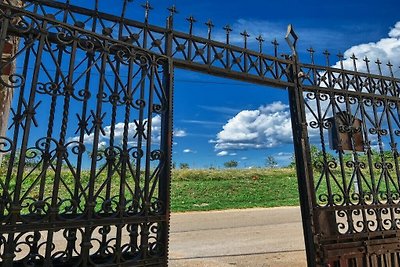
(251, 237)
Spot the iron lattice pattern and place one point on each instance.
(187, 50)
(84, 155)
(354, 119)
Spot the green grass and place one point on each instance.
(195, 190)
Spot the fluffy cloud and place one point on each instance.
(268, 126)
(188, 150)
(386, 49)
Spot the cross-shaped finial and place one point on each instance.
(172, 10)
(390, 66)
(260, 40)
(245, 35)
(147, 7)
(228, 30)
(311, 51)
(354, 58)
(379, 63)
(210, 25)
(275, 44)
(367, 61)
(340, 57)
(191, 20)
(327, 54)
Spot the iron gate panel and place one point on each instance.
(354, 174)
(87, 179)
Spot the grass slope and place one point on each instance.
(195, 190)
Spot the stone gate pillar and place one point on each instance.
(6, 94)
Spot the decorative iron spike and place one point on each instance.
(367, 61)
(354, 58)
(147, 8)
(390, 66)
(291, 39)
(379, 63)
(172, 10)
(327, 55)
(340, 57)
(260, 40)
(228, 30)
(311, 51)
(245, 35)
(275, 44)
(210, 25)
(191, 20)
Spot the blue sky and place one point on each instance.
(216, 119)
(204, 105)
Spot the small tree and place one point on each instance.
(271, 162)
(231, 164)
(183, 165)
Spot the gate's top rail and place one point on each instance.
(193, 52)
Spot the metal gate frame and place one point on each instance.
(314, 93)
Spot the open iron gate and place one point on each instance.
(88, 149)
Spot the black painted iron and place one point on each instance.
(89, 143)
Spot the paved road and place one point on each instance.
(251, 237)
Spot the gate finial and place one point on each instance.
(293, 40)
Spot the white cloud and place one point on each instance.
(188, 150)
(268, 126)
(386, 49)
(180, 133)
(222, 153)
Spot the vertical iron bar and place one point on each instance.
(15, 207)
(97, 121)
(167, 139)
(303, 161)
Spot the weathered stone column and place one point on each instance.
(6, 93)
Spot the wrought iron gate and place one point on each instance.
(88, 149)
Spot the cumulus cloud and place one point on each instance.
(268, 126)
(188, 150)
(386, 49)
